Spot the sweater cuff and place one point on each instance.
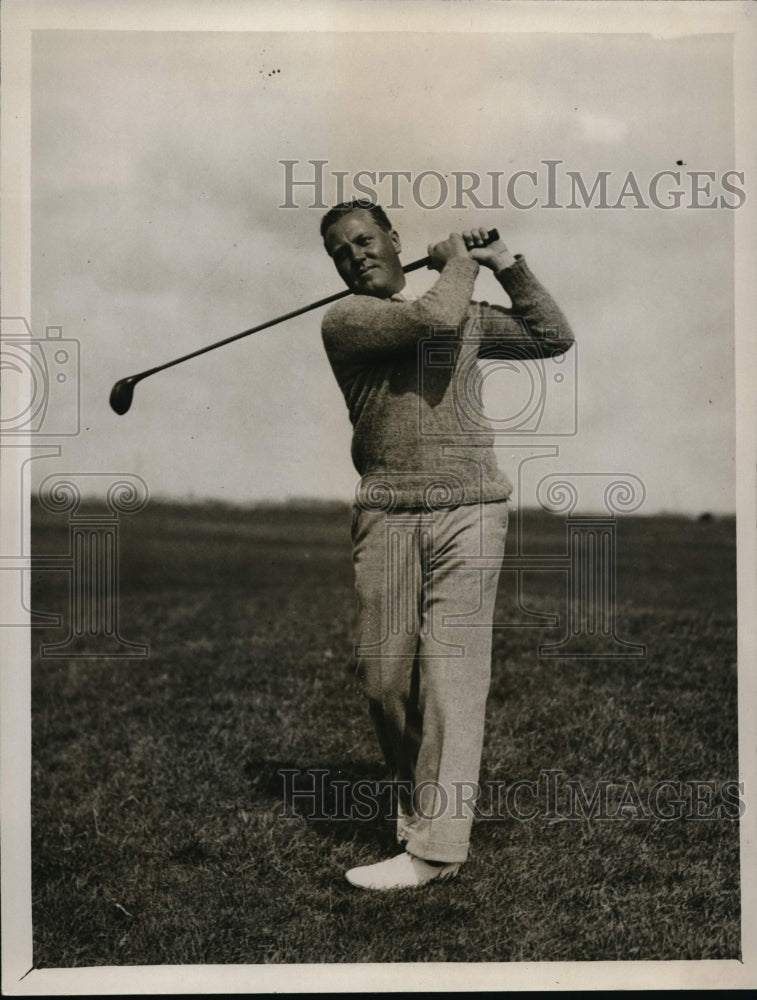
(516, 277)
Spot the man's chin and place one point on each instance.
(367, 286)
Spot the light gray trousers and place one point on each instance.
(426, 585)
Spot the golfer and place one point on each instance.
(431, 511)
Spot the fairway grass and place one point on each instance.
(162, 830)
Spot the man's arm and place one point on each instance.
(366, 328)
(535, 326)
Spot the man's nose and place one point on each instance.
(358, 254)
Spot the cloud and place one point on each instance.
(602, 128)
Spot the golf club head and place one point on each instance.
(122, 394)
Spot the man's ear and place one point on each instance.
(396, 241)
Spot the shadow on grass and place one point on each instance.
(345, 803)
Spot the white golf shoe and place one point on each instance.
(404, 871)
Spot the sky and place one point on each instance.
(156, 186)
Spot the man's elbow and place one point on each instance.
(558, 338)
(563, 343)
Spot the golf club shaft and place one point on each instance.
(492, 235)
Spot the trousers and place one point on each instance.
(426, 583)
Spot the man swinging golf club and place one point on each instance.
(431, 511)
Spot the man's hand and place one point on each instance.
(440, 253)
(471, 246)
(496, 256)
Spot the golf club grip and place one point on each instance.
(491, 237)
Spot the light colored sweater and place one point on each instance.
(409, 373)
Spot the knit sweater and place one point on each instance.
(410, 375)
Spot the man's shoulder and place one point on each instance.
(352, 303)
(355, 310)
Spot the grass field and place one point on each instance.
(160, 828)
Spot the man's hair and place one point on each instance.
(344, 208)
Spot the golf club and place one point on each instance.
(122, 393)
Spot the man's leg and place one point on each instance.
(445, 685)
(462, 563)
(388, 577)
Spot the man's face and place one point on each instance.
(366, 256)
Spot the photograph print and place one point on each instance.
(371, 424)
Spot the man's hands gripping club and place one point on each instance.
(470, 245)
